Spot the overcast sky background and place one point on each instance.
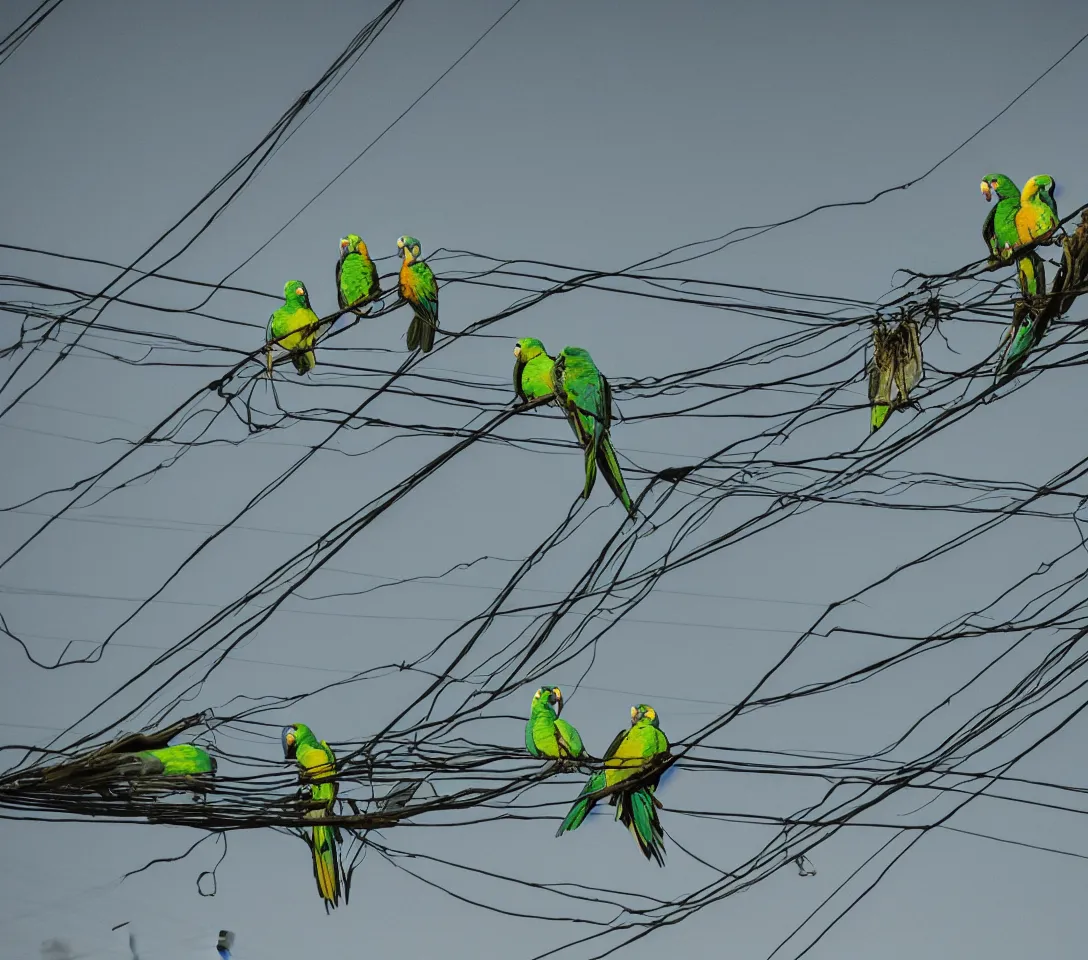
(588, 134)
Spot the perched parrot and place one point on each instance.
(1001, 234)
(180, 760)
(546, 735)
(584, 393)
(297, 324)
(629, 752)
(316, 762)
(1036, 218)
(532, 370)
(999, 230)
(894, 369)
(357, 283)
(419, 287)
(102, 771)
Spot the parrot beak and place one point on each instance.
(288, 739)
(985, 187)
(634, 714)
(301, 291)
(558, 700)
(517, 349)
(343, 247)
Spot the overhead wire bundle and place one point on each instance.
(785, 410)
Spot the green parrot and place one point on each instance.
(894, 370)
(628, 753)
(584, 393)
(316, 762)
(179, 760)
(1036, 218)
(546, 735)
(532, 370)
(103, 770)
(1001, 234)
(418, 286)
(357, 283)
(297, 324)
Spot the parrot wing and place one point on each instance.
(519, 367)
(420, 289)
(989, 234)
(569, 740)
(530, 740)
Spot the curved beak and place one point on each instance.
(343, 247)
(634, 714)
(287, 737)
(985, 188)
(517, 349)
(558, 701)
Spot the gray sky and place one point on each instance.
(587, 134)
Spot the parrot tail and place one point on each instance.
(591, 469)
(637, 812)
(326, 871)
(304, 362)
(581, 808)
(1021, 338)
(610, 468)
(1031, 274)
(421, 333)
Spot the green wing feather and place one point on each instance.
(581, 808)
(578, 813)
(181, 760)
(571, 740)
(357, 281)
(610, 468)
(530, 740)
(420, 289)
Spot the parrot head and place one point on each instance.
(1041, 184)
(643, 712)
(294, 291)
(352, 244)
(290, 737)
(527, 348)
(552, 696)
(999, 184)
(409, 248)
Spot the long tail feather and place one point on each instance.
(591, 471)
(637, 811)
(421, 334)
(326, 869)
(610, 468)
(1031, 274)
(581, 808)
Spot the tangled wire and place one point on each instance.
(778, 427)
